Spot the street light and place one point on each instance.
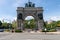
(9, 26)
(45, 30)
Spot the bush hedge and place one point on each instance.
(51, 30)
(18, 31)
(45, 31)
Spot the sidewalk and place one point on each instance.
(42, 33)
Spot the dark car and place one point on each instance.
(1, 30)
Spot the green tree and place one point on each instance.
(30, 24)
(51, 26)
(26, 24)
(14, 24)
(0, 23)
(5, 25)
(58, 23)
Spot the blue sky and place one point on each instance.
(51, 8)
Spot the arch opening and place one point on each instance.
(30, 23)
(29, 18)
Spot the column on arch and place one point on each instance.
(40, 24)
(20, 24)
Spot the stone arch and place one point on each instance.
(30, 15)
(36, 12)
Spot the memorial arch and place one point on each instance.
(30, 10)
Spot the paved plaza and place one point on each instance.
(29, 36)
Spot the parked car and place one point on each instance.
(1, 30)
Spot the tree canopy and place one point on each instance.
(0, 23)
(30, 24)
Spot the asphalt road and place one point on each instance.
(28, 36)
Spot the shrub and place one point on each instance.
(52, 30)
(44, 31)
(18, 31)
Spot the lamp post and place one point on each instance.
(9, 26)
(45, 30)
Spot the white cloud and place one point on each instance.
(55, 18)
(7, 18)
(15, 18)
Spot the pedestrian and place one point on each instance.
(13, 30)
